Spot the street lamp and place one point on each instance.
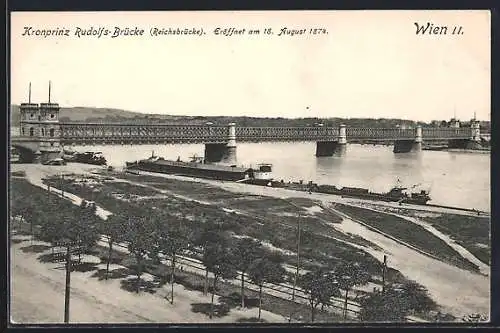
(384, 270)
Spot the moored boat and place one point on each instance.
(194, 168)
(396, 194)
(89, 157)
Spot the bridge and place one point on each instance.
(42, 136)
(220, 141)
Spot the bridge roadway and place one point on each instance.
(108, 133)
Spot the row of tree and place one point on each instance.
(162, 234)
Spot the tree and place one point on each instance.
(55, 220)
(416, 297)
(113, 227)
(264, 270)
(21, 207)
(320, 286)
(396, 302)
(385, 306)
(209, 232)
(349, 275)
(173, 241)
(247, 250)
(142, 239)
(85, 228)
(219, 259)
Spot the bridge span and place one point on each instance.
(220, 141)
(42, 136)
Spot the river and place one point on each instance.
(455, 179)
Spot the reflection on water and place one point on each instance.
(455, 179)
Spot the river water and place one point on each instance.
(455, 179)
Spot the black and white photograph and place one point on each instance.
(247, 167)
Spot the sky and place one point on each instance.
(369, 64)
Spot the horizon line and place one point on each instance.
(251, 117)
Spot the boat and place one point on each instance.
(396, 194)
(55, 161)
(89, 157)
(262, 175)
(194, 168)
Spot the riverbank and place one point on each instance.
(458, 291)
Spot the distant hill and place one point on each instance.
(90, 114)
(80, 114)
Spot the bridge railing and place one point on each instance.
(81, 132)
(286, 133)
(175, 133)
(445, 133)
(380, 133)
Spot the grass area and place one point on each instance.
(473, 233)
(125, 187)
(318, 243)
(408, 232)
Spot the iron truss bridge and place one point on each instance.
(107, 133)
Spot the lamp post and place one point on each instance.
(384, 269)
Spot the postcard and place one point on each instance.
(255, 167)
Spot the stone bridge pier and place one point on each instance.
(223, 152)
(336, 147)
(409, 145)
(474, 142)
(39, 139)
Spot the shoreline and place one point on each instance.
(287, 192)
(430, 273)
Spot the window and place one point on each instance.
(32, 115)
(39, 118)
(51, 132)
(52, 116)
(22, 131)
(32, 131)
(43, 132)
(52, 144)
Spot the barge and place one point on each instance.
(198, 168)
(396, 194)
(262, 176)
(89, 157)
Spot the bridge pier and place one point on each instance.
(330, 148)
(474, 142)
(409, 146)
(222, 152)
